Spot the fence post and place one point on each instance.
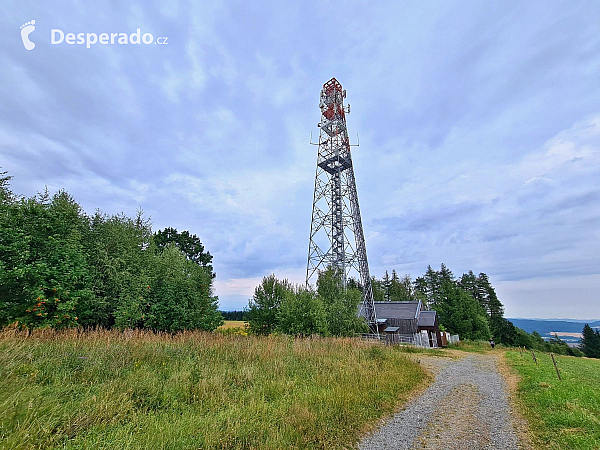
(534, 358)
(555, 366)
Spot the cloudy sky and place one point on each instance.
(479, 129)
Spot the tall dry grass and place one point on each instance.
(137, 389)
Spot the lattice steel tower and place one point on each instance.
(336, 233)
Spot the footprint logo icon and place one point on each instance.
(26, 30)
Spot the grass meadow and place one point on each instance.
(109, 389)
(561, 414)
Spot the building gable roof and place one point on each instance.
(427, 319)
(397, 310)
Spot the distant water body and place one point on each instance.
(569, 330)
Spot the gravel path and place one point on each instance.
(466, 407)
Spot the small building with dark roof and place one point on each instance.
(407, 319)
(428, 321)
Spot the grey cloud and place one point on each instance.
(591, 198)
(440, 217)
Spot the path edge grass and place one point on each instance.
(521, 423)
(538, 431)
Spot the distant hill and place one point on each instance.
(547, 327)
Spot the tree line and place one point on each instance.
(235, 315)
(331, 309)
(469, 306)
(60, 267)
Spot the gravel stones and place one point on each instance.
(466, 407)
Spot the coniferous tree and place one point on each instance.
(494, 309)
(428, 286)
(353, 283)
(386, 284)
(468, 282)
(445, 274)
(480, 287)
(537, 341)
(485, 293)
(45, 278)
(401, 289)
(590, 342)
(378, 291)
(460, 313)
(407, 283)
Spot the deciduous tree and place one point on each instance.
(263, 308)
(189, 244)
(302, 313)
(341, 305)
